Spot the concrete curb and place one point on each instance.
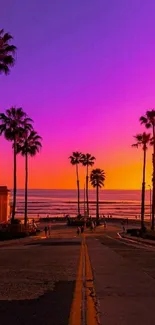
(138, 240)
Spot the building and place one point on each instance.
(4, 204)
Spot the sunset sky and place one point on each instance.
(85, 72)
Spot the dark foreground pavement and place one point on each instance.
(53, 307)
(37, 281)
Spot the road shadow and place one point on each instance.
(54, 243)
(53, 308)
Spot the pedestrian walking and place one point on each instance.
(92, 226)
(82, 229)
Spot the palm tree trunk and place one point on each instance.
(143, 192)
(87, 197)
(97, 203)
(153, 180)
(14, 181)
(84, 201)
(26, 186)
(78, 187)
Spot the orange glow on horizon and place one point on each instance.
(123, 173)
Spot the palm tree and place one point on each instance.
(75, 160)
(13, 124)
(29, 145)
(149, 121)
(97, 178)
(87, 160)
(7, 52)
(143, 140)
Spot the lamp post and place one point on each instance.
(150, 201)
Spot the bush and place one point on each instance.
(9, 235)
(16, 222)
(78, 223)
(150, 235)
(134, 232)
(75, 223)
(15, 231)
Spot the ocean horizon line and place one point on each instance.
(75, 189)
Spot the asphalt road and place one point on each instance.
(124, 275)
(37, 278)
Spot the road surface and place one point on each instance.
(44, 281)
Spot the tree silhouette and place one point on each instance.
(75, 160)
(7, 52)
(143, 140)
(97, 178)
(29, 145)
(149, 121)
(87, 160)
(13, 125)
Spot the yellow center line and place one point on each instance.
(90, 296)
(75, 314)
(92, 317)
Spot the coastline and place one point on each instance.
(117, 203)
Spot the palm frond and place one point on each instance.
(148, 125)
(143, 119)
(7, 52)
(8, 60)
(31, 144)
(87, 159)
(135, 145)
(7, 37)
(4, 69)
(97, 177)
(13, 124)
(143, 139)
(9, 48)
(75, 158)
(1, 32)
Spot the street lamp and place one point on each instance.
(150, 200)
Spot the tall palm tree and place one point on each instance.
(149, 121)
(97, 178)
(7, 52)
(143, 140)
(13, 124)
(75, 160)
(29, 145)
(87, 160)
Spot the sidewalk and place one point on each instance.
(126, 294)
(138, 239)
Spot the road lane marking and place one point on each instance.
(118, 234)
(83, 321)
(75, 314)
(92, 316)
(84, 309)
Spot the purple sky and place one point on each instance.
(85, 72)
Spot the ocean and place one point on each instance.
(118, 203)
